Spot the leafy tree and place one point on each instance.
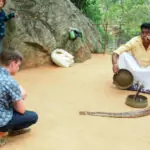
(117, 20)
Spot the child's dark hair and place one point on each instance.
(145, 25)
(6, 57)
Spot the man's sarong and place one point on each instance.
(140, 74)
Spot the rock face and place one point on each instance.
(43, 25)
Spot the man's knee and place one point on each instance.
(32, 116)
(125, 54)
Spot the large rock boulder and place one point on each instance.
(43, 25)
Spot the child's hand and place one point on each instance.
(13, 14)
(16, 15)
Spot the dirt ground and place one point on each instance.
(58, 94)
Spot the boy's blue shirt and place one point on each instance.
(3, 19)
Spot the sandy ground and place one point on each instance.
(58, 94)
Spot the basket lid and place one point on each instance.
(123, 79)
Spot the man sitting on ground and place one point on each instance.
(135, 57)
(13, 114)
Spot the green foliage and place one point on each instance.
(92, 10)
(126, 15)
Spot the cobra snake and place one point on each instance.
(130, 114)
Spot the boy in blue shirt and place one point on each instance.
(3, 18)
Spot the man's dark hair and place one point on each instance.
(6, 57)
(145, 25)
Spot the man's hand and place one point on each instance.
(24, 93)
(19, 106)
(115, 68)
